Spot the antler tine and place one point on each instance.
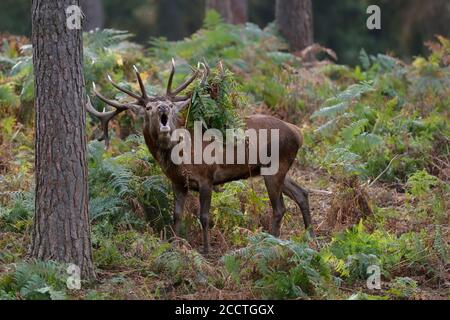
(190, 80)
(206, 73)
(112, 103)
(221, 68)
(141, 84)
(126, 91)
(172, 74)
(185, 84)
(180, 98)
(106, 117)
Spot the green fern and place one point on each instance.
(8, 96)
(216, 105)
(284, 269)
(100, 40)
(119, 187)
(36, 280)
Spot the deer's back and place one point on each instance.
(193, 175)
(289, 133)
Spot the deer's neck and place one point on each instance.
(161, 155)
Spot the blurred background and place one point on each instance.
(339, 25)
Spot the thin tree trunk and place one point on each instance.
(240, 11)
(94, 14)
(295, 21)
(232, 11)
(170, 19)
(61, 230)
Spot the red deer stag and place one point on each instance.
(161, 118)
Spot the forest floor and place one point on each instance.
(135, 285)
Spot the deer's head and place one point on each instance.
(160, 112)
(162, 118)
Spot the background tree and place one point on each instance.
(94, 14)
(339, 25)
(61, 224)
(294, 19)
(233, 11)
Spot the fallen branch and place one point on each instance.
(328, 193)
(384, 171)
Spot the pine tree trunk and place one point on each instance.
(95, 17)
(61, 223)
(232, 11)
(295, 21)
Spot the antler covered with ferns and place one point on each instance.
(140, 100)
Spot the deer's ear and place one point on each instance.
(180, 106)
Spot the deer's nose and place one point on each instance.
(163, 109)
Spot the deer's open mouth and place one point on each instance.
(164, 121)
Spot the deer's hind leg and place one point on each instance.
(274, 186)
(301, 197)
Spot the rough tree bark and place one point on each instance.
(94, 15)
(232, 11)
(294, 19)
(61, 230)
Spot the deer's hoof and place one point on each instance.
(276, 230)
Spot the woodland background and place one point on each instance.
(339, 25)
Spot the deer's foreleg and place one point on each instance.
(180, 199)
(274, 185)
(205, 205)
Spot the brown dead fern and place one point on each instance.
(350, 204)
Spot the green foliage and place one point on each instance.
(353, 250)
(183, 267)
(12, 247)
(420, 183)
(403, 288)
(8, 96)
(281, 269)
(216, 105)
(236, 208)
(35, 280)
(125, 190)
(428, 197)
(369, 128)
(243, 49)
(227, 209)
(20, 85)
(107, 52)
(17, 217)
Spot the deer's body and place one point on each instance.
(193, 175)
(161, 120)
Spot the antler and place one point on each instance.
(206, 73)
(172, 94)
(106, 117)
